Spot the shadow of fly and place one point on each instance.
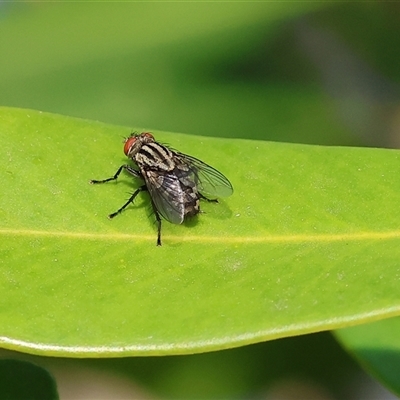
(175, 181)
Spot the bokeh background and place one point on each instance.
(307, 72)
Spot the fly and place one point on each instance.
(175, 181)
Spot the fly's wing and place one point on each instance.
(207, 179)
(166, 193)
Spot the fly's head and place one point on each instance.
(135, 141)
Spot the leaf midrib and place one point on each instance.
(295, 238)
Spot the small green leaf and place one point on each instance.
(377, 347)
(25, 381)
(308, 232)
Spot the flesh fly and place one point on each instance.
(175, 181)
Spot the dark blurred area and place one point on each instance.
(320, 73)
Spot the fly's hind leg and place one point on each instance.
(207, 199)
(141, 189)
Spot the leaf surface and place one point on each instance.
(308, 231)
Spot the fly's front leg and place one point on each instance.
(141, 189)
(158, 219)
(127, 168)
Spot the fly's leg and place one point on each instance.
(127, 168)
(141, 189)
(207, 199)
(158, 219)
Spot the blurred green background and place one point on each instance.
(307, 72)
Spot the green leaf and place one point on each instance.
(26, 381)
(377, 347)
(308, 231)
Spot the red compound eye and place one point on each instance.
(128, 144)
